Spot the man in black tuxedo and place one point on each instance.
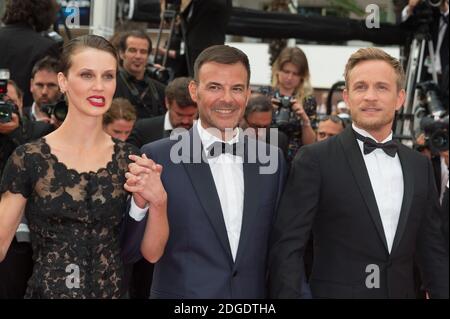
(181, 112)
(371, 203)
(22, 45)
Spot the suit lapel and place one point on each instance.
(250, 211)
(408, 185)
(359, 170)
(202, 180)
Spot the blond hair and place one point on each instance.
(297, 57)
(121, 109)
(370, 54)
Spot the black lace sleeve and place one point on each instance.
(16, 176)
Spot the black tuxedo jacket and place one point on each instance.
(329, 193)
(148, 130)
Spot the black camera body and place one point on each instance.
(58, 109)
(436, 133)
(7, 108)
(284, 118)
(160, 75)
(432, 117)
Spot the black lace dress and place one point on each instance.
(74, 220)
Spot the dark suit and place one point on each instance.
(329, 192)
(204, 23)
(445, 213)
(146, 95)
(197, 262)
(22, 47)
(148, 130)
(144, 131)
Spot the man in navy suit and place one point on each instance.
(221, 197)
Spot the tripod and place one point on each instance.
(170, 16)
(406, 125)
(176, 11)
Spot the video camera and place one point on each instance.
(7, 108)
(432, 117)
(423, 11)
(58, 109)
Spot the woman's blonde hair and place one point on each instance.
(297, 57)
(121, 109)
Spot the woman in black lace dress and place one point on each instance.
(70, 184)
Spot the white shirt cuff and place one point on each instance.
(136, 212)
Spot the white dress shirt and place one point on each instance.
(34, 114)
(386, 178)
(228, 175)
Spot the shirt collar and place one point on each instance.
(208, 139)
(34, 113)
(366, 134)
(167, 125)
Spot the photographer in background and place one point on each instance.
(21, 42)
(134, 81)
(46, 94)
(258, 116)
(292, 99)
(435, 14)
(15, 130)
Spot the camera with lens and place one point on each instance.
(7, 108)
(284, 118)
(159, 74)
(423, 13)
(436, 133)
(58, 109)
(432, 117)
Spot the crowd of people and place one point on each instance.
(114, 185)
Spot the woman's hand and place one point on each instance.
(298, 109)
(144, 181)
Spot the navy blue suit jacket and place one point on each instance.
(197, 262)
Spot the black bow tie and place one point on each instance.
(219, 148)
(390, 147)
